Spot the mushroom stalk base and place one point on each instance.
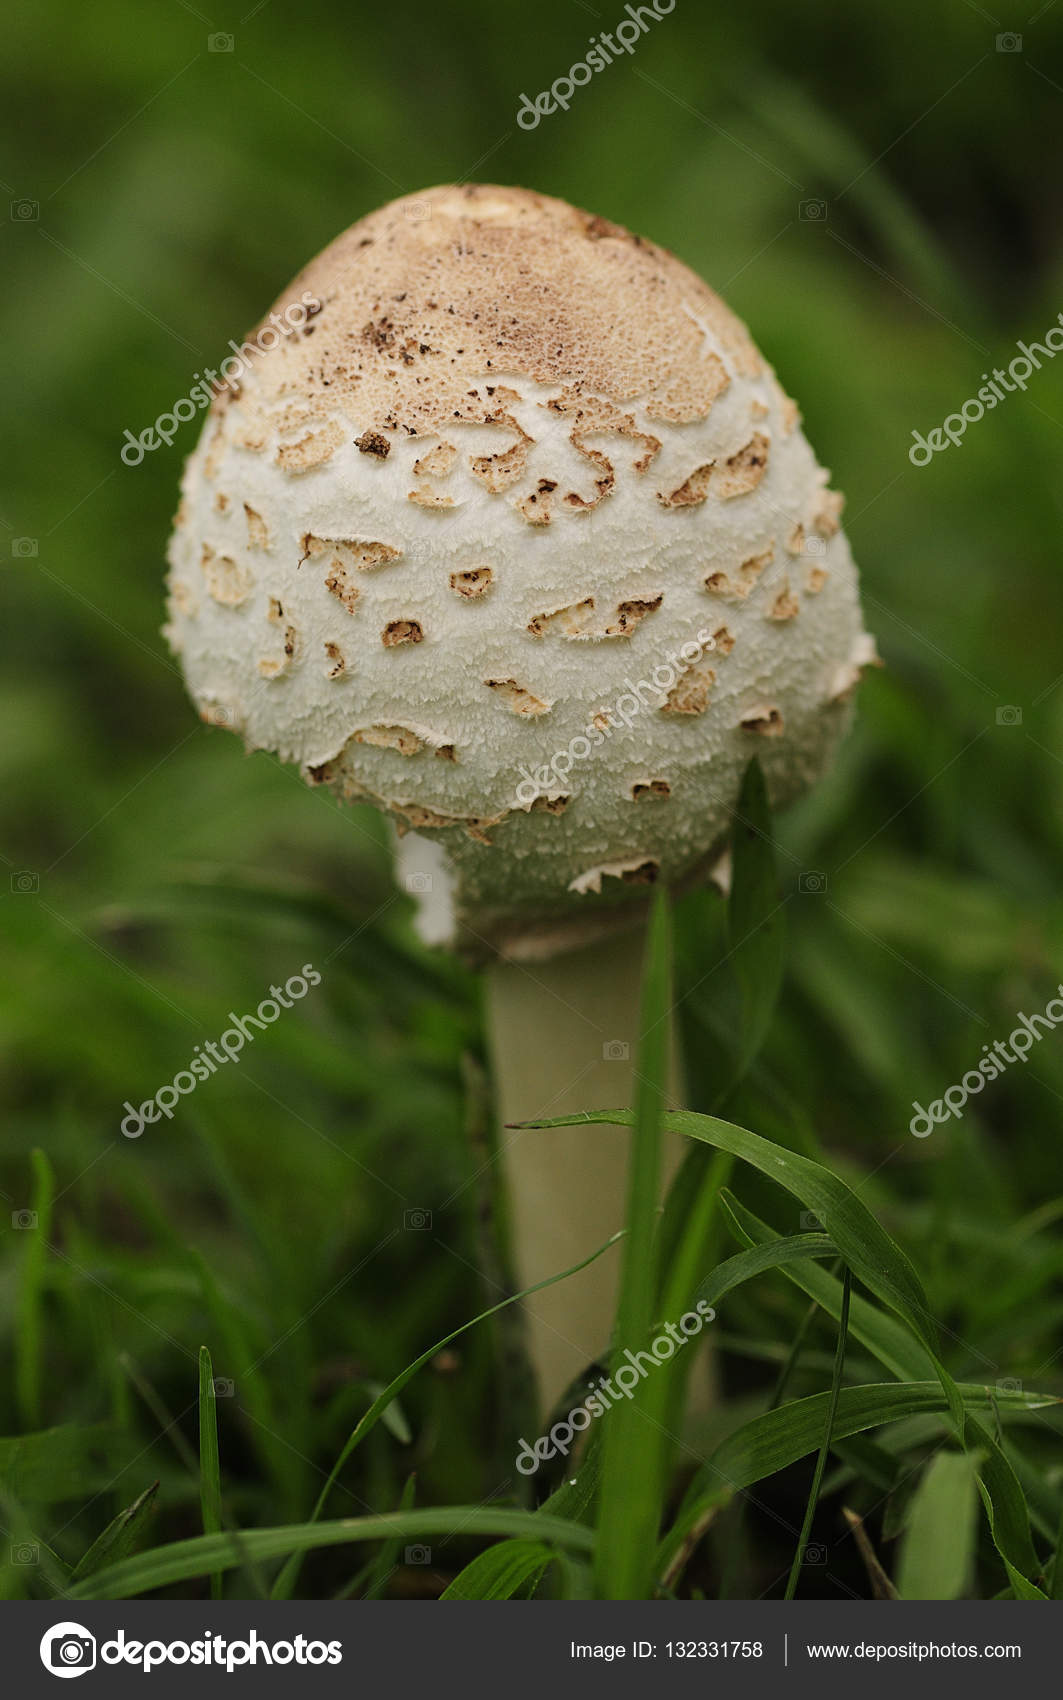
(564, 1037)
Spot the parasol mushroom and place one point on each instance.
(518, 538)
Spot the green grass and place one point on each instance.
(171, 879)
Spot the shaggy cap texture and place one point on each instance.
(517, 537)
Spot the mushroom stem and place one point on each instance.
(564, 1036)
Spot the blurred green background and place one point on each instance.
(871, 189)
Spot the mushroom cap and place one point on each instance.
(516, 536)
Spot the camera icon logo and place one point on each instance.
(68, 1649)
(417, 1555)
(24, 1219)
(1009, 715)
(25, 212)
(418, 210)
(418, 883)
(816, 546)
(616, 1050)
(224, 1387)
(810, 1222)
(813, 883)
(25, 883)
(1009, 42)
(1009, 1385)
(417, 1221)
(25, 1553)
(220, 43)
(23, 548)
(816, 1555)
(813, 212)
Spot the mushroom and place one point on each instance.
(529, 501)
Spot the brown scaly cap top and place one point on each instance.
(522, 284)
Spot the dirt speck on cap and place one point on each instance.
(373, 443)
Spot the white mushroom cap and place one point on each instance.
(446, 542)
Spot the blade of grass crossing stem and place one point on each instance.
(821, 1460)
(867, 1249)
(209, 1461)
(683, 1257)
(285, 1583)
(632, 1452)
(28, 1345)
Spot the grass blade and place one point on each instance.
(775, 1439)
(865, 1246)
(119, 1537)
(746, 1265)
(209, 1460)
(678, 1546)
(162, 1567)
(500, 1572)
(821, 1460)
(888, 1339)
(285, 1582)
(937, 1553)
(387, 1558)
(879, 1262)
